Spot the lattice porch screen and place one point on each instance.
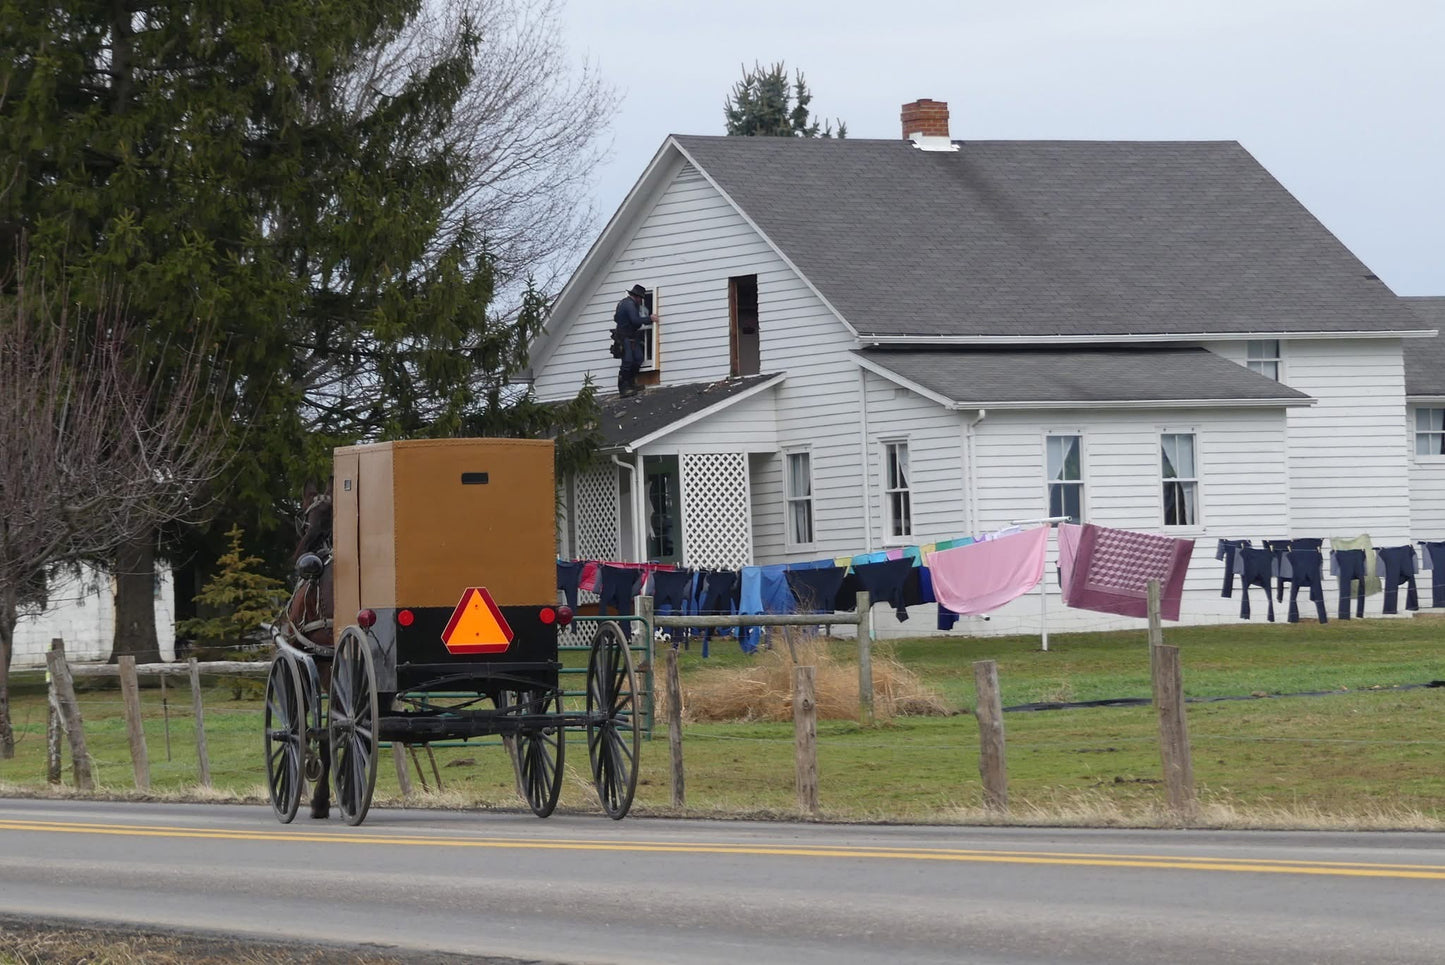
(716, 519)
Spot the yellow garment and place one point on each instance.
(1361, 542)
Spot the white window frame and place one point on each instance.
(1434, 449)
(790, 500)
(1197, 523)
(1265, 356)
(650, 340)
(891, 524)
(1081, 482)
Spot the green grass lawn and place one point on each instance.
(1369, 754)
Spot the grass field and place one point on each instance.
(1369, 753)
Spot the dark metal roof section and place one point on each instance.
(1049, 238)
(1083, 377)
(1425, 357)
(626, 420)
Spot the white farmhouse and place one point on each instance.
(867, 343)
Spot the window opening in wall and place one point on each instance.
(1262, 356)
(1181, 485)
(745, 358)
(896, 492)
(1430, 432)
(1065, 467)
(664, 502)
(650, 335)
(800, 498)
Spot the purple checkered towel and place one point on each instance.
(1109, 570)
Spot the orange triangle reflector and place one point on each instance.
(477, 625)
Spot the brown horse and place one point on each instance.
(306, 623)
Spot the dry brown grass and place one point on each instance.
(763, 690)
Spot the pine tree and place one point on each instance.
(765, 104)
(242, 598)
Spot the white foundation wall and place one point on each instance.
(81, 612)
(1243, 470)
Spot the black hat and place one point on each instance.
(638, 291)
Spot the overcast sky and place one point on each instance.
(1342, 100)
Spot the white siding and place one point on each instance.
(688, 245)
(935, 454)
(1242, 470)
(746, 426)
(1427, 486)
(82, 613)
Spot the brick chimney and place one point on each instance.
(926, 117)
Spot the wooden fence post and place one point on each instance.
(70, 715)
(805, 731)
(992, 769)
(135, 730)
(203, 760)
(403, 772)
(674, 728)
(865, 662)
(1156, 626)
(52, 724)
(1173, 731)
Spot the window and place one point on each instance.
(1063, 461)
(1430, 432)
(743, 326)
(1181, 485)
(895, 490)
(800, 498)
(1262, 356)
(650, 334)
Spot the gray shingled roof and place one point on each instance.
(1425, 357)
(1069, 238)
(624, 421)
(1084, 376)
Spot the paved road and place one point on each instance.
(583, 889)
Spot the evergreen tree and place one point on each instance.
(240, 597)
(764, 103)
(210, 159)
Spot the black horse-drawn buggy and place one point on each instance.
(425, 612)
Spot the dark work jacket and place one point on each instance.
(630, 318)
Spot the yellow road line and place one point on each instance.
(1175, 862)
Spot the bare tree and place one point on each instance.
(94, 448)
(531, 126)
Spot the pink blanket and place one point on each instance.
(1108, 570)
(984, 576)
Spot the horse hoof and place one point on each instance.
(321, 812)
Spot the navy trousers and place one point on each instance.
(671, 590)
(888, 582)
(568, 573)
(1437, 572)
(1307, 569)
(1277, 548)
(614, 589)
(1350, 566)
(816, 589)
(1225, 551)
(1399, 564)
(1258, 567)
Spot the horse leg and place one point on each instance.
(321, 794)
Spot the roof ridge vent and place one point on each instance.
(932, 142)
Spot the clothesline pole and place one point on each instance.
(1050, 522)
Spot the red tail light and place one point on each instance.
(405, 617)
(548, 615)
(564, 615)
(366, 618)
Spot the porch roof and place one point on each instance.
(1113, 376)
(635, 420)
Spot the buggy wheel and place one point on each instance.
(351, 726)
(285, 729)
(612, 738)
(540, 752)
